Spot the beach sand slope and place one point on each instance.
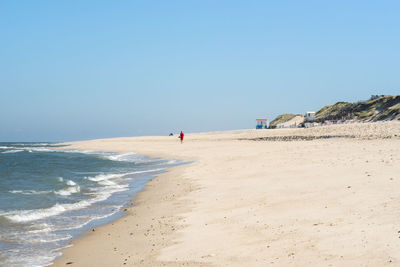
(326, 196)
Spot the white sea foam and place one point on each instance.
(108, 177)
(153, 170)
(12, 151)
(32, 260)
(88, 152)
(38, 236)
(107, 182)
(38, 149)
(93, 218)
(69, 182)
(38, 144)
(50, 238)
(130, 157)
(68, 191)
(101, 195)
(72, 189)
(102, 177)
(37, 214)
(39, 228)
(29, 192)
(28, 148)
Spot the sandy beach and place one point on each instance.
(324, 196)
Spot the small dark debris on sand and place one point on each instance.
(298, 137)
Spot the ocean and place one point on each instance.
(49, 196)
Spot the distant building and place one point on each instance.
(311, 124)
(309, 116)
(262, 124)
(287, 125)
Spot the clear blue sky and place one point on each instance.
(72, 70)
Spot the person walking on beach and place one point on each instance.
(181, 135)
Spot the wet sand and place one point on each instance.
(326, 196)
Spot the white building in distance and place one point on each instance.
(310, 116)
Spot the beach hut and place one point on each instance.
(310, 116)
(262, 124)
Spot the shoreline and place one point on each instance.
(134, 229)
(139, 214)
(246, 202)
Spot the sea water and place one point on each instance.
(49, 196)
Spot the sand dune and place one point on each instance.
(295, 121)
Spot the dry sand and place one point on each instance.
(333, 200)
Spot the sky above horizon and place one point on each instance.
(74, 70)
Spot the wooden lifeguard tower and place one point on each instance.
(262, 124)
